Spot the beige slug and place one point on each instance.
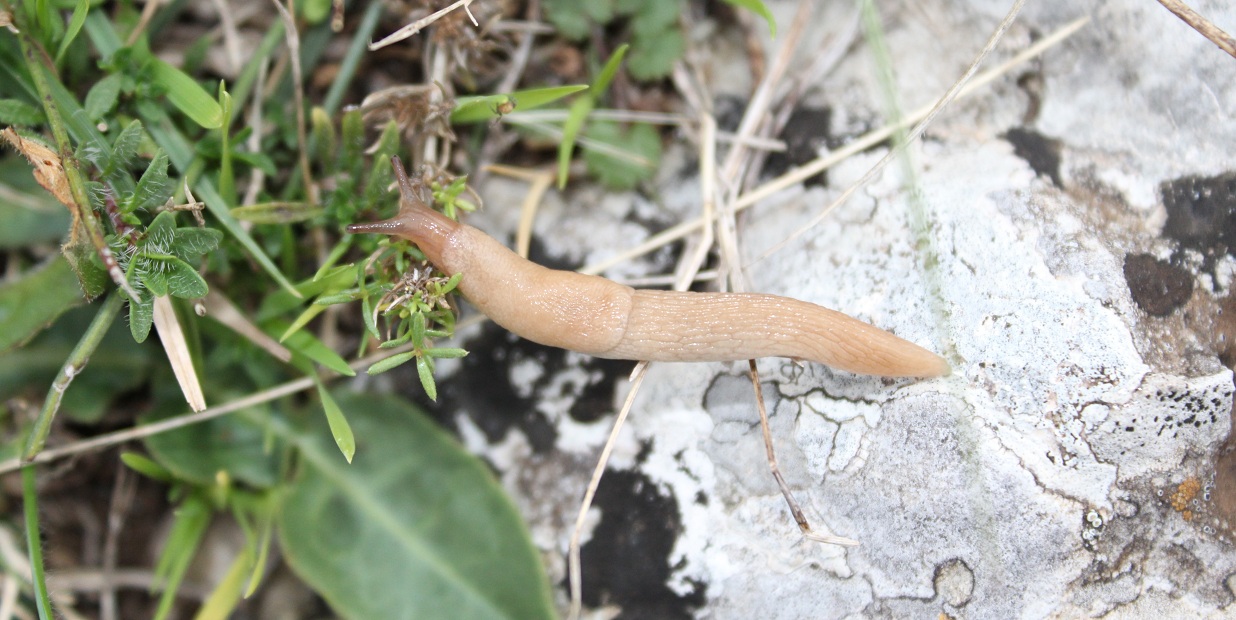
(593, 315)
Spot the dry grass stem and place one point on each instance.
(1202, 25)
(573, 562)
(411, 29)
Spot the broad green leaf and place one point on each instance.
(340, 430)
(102, 96)
(641, 145)
(17, 112)
(32, 302)
(653, 57)
(757, 7)
(196, 453)
(656, 18)
(414, 528)
(188, 96)
(481, 108)
(568, 18)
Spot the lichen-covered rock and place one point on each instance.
(1076, 463)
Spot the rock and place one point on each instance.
(1074, 463)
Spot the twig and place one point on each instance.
(799, 517)
(122, 498)
(637, 378)
(418, 25)
(298, 98)
(1204, 26)
(519, 61)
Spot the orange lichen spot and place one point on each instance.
(1184, 493)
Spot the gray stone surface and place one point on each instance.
(1038, 480)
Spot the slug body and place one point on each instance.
(599, 317)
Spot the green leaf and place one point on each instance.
(653, 57)
(608, 72)
(580, 109)
(154, 188)
(568, 18)
(124, 149)
(236, 444)
(277, 212)
(190, 244)
(480, 109)
(757, 7)
(445, 353)
(656, 18)
(414, 528)
(306, 344)
(642, 143)
(187, 95)
(146, 467)
(184, 281)
(191, 519)
(32, 302)
(75, 26)
(340, 430)
(388, 363)
(17, 112)
(223, 600)
(424, 369)
(102, 97)
(90, 273)
(141, 316)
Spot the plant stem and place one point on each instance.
(42, 71)
(34, 543)
(76, 362)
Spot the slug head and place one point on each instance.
(416, 221)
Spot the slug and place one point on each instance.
(599, 317)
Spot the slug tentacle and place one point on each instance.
(596, 316)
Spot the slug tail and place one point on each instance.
(416, 221)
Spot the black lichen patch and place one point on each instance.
(627, 562)
(1041, 152)
(1180, 410)
(483, 387)
(806, 131)
(483, 390)
(1201, 212)
(1157, 286)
